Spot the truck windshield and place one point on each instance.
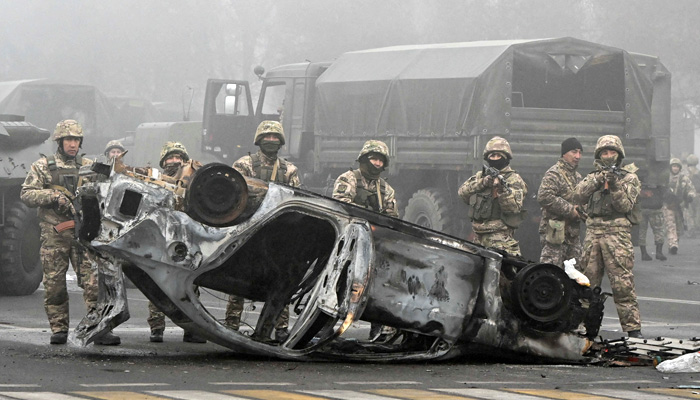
(273, 99)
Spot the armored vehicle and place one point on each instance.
(437, 105)
(20, 145)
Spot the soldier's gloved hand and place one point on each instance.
(63, 204)
(487, 181)
(611, 178)
(599, 177)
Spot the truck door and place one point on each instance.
(229, 122)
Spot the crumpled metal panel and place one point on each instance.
(334, 262)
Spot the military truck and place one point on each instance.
(437, 105)
(20, 145)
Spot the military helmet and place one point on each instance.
(269, 127)
(676, 161)
(497, 143)
(610, 142)
(68, 128)
(375, 146)
(692, 160)
(171, 148)
(114, 144)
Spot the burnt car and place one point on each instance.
(333, 263)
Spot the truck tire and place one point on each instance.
(20, 265)
(430, 208)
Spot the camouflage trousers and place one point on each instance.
(690, 215)
(234, 311)
(558, 253)
(655, 219)
(57, 251)
(501, 240)
(612, 253)
(672, 228)
(156, 318)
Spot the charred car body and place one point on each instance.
(333, 262)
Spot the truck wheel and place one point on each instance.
(20, 266)
(430, 209)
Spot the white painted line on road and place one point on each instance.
(39, 396)
(489, 394)
(194, 395)
(122, 384)
(629, 394)
(663, 300)
(498, 383)
(378, 383)
(620, 381)
(346, 395)
(254, 383)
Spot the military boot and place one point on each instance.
(659, 252)
(635, 334)
(156, 336)
(108, 339)
(645, 255)
(281, 334)
(59, 338)
(673, 250)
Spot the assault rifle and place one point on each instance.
(496, 174)
(615, 170)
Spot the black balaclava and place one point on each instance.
(498, 164)
(368, 169)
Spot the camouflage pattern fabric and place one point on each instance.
(345, 190)
(495, 233)
(655, 219)
(244, 165)
(266, 127)
(156, 318)
(375, 146)
(693, 209)
(113, 144)
(67, 128)
(57, 249)
(498, 143)
(555, 196)
(672, 225)
(171, 148)
(608, 244)
(681, 191)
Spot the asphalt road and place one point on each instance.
(30, 368)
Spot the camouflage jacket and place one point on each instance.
(680, 189)
(556, 196)
(624, 194)
(509, 201)
(345, 190)
(36, 191)
(244, 165)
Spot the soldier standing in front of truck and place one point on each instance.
(496, 202)
(173, 157)
(267, 166)
(560, 226)
(610, 193)
(359, 187)
(51, 185)
(680, 191)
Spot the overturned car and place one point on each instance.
(333, 263)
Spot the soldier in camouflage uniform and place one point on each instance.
(651, 199)
(359, 187)
(267, 166)
(560, 226)
(692, 210)
(113, 149)
(51, 186)
(173, 156)
(496, 203)
(609, 195)
(680, 191)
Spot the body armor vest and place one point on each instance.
(600, 205)
(64, 179)
(264, 172)
(368, 198)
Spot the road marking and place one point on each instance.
(498, 383)
(687, 393)
(346, 395)
(195, 395)
(489, 394)
(272, 395)
(254, 383)
(121, 384)
(559, 394)
(663, 300)
(18, 385)
(118, 395)
(415, 394)
(39, 396)
(629, 394)
(378, 383)
(620, 381)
